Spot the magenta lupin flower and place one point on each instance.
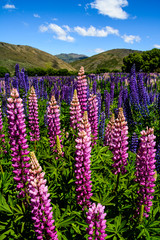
(33, 116)
(18, 141)
(109, 132)
(2, 140)
(145, 170)
(75, 111)
(42, 214)
(93, 117)
(82, 89)
(53, 123)
(96, 221)
(119, 144)
(82, 171)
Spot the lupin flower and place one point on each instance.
(93, 117)
(96, 221)
(82, 171)
(53, 114)
(59, 149)
(85, 125)
(119, 144)
(41, 209)
(75, 111)
(82, 89)
(18, 141)
(33, 116)
(109, 132)
(145, 170)
(134, 143)
(2, 140)
(102, 126)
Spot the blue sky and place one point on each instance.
(81, 26)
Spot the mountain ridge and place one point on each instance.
(29, 57)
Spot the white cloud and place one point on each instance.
(99, 50)
(36, 15)
(9, 6)
(79, 5)
(131, 38)
(156, 46)
(111, 8)
(93, 32)
(59, 32)
(67, 28)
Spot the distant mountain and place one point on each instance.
(28, 57)
(71, 57)
(112, 59)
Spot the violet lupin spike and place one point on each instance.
(109, 132)
(93, 117)
(75, 111)
(145, 170)
(53, 114)
(40, 203)
(33, 116)
(96, 221)
(119, 144)
(18, 141)
(82, 89)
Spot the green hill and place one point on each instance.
(112, 59)
(71, 57)
(28, 57)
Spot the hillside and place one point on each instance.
(28, 57)
(71, 57)
(112, 59)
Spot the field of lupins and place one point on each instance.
(80, 157)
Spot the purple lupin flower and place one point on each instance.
(119, 144)
(145, 170)
(107, 103)
(82, 171)
(41, 209)
(102, 126)
(75, 111)
(109, 132)
(53, 114)
(134, 143)
(96, 221)
(82, 89)
(33, 116)
(93, 117)
(7, 85)
(18, 141)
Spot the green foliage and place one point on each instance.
(3, 71)
(147, 61)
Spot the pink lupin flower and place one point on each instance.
(145, 170)
(119, 144)
(53, 123)
(42, 214)
(33, 116)
(18, 141)
(75, 111)
(82, 171)
(93, 117)
(109, 132)
(96, 221)
(82, 89)
(2, 140)
(85, 125)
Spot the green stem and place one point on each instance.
(118, 176)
